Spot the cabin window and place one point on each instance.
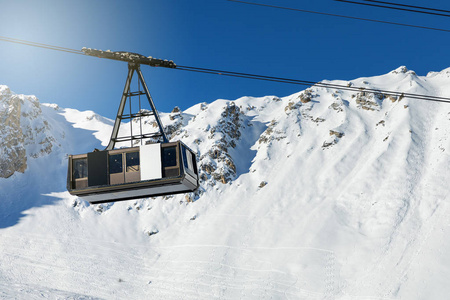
(189, 160)
(169, 157)
(132, 160)
(185, 159)
(115, 163)
(194, 165)
(80, 168)
(170, 165)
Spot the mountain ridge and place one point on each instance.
(323, 194)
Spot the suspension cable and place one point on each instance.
(170, 64)
(340, 16)
(40, 45)
(397, 8)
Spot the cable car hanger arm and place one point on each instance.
(134, 61)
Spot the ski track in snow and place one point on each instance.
(246, 277)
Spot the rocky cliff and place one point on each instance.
(24, 132)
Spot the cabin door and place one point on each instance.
(124, 167)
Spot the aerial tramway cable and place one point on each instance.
(339, 16)
(169, 64)
(40, 45)
(312, 83)
(411, 6)
(408, 8)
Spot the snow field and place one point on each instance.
(330, 200)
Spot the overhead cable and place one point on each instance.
(340, 16)
(316, 84)
(258, 77)
(40, 45)
(412, 6)
(397, 8)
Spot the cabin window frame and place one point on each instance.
(79, 182)
(114, 167)
(80, 171)
(189, 161)
(171, 170)
(129, 168)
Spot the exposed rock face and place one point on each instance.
(371, 101)
(217, 165)
(271, 133)
(336, 133)
(12, 153)
(306, 96)
(367, 101)
(175, 127)
(23, 132)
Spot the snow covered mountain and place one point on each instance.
(324, 194)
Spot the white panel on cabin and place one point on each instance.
(150, 158)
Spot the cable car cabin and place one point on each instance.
(131, 173)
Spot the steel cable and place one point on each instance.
(341, 16)
(256, 76)
(396, 8)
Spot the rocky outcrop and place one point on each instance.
(24, 132)
(12, 152)
(176, 125)
(217, 165)
(271, 134)
(372, 101)
(367, 100)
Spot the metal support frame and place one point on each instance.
(134, 67)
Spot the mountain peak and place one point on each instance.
(400, 70)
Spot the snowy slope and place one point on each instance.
(323, 194)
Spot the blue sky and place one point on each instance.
(214, 34)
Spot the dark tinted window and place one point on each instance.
(169, 155)
(80, 168)
(132, 160)
(185, 159)
(115, 164)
